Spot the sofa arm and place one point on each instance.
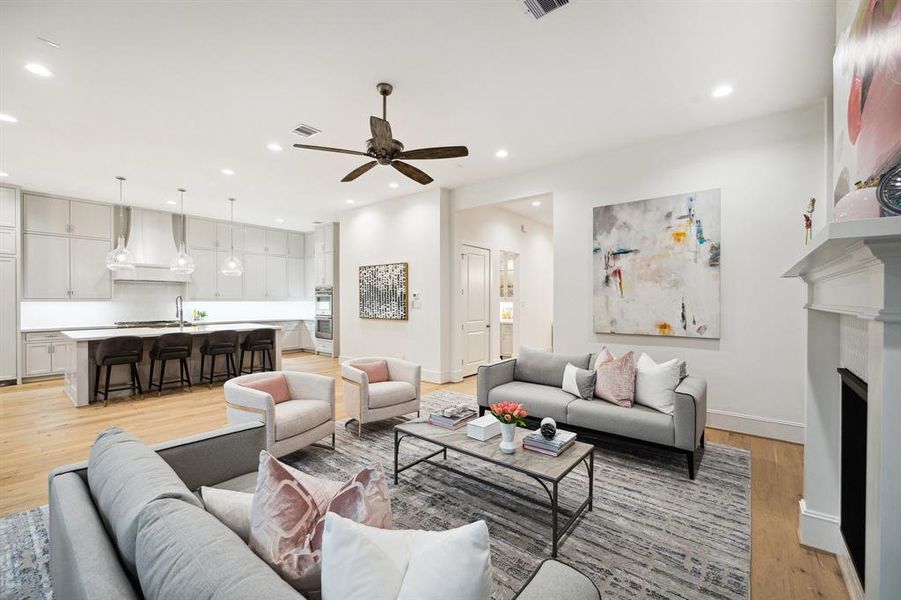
(404, 370)
(554, 579)
(690, 412)
(493, 375)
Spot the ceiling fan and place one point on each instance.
(385, 150)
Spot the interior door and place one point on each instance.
(475, 275)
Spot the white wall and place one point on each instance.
(767, 168)
(497, 230)
(413, 229)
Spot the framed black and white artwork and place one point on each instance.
(383, 291)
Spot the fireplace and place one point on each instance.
(854, 468)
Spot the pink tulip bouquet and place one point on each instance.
(510, 413)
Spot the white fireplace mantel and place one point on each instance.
(854, 268)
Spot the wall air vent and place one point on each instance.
(304, 130)
(540, 8)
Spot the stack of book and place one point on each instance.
(554, 447)
(452, 422)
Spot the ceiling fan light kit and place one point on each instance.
(385, 150)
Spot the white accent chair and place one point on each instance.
(291, 425)
(368, 402)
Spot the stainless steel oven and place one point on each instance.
(324, 301)
(323, 327)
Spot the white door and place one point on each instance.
(88, 275)
(44, 214)
(295, 278)
(276, 278)
(475, 282)
(8, 317)
(46, 264)
(87, 219)
(255, 276)
(203, 280)
(227, 287)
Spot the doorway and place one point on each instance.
(475, 276)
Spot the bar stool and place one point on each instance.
(171, 346)
(262, 341)
(216, 344)
(125, 350)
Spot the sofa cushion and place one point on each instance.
(185, 553)
(390, 393)
(539, 400)
(545, 368)
(638, 422)
(232, 508)
(124, 475)
(296, 416)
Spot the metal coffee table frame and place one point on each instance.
(558, 533)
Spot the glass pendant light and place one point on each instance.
(182, 263)
(232, 266)
(120, 258)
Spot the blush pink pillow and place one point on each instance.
(604, 356)
(276, 386)
(376, 371)
(616, 380)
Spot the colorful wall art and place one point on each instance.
(657, 266)
(383, 291)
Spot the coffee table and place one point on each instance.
(547, 470)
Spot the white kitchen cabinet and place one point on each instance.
(276, 242)
(296, 243)
(38, 360)
(325, 269)
(45, 214)
(7, 207)
(224, 240)
(255, 276)
(46, 267)
(60, 353)
(254, 240)
(46, 353)
(290, 334)
(325, 237)
(276, 278)
(307, 335)
(296, 287)
(88, 276)
(8, 318)
(87, 219)
(203, 284)
(201, 233)
(228, 288)
(7, 240)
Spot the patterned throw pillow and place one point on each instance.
(616, 380)
(286, 524)
(579, 382)
(604, 356)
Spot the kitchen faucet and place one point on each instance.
(180, 313)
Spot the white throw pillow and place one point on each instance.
(655, 384)
(366, 563)
(579, 382)
(230, 507)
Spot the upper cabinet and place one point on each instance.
(87, 219)
(296, 242)
(258, 240)
(254, 240)
(7, 207)
(59, 216)
(201, 233)
(324, 236)
(228, 234)
(276, 242)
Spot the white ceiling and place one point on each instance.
(168, 94)
(543, 213)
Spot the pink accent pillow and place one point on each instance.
(286, 524)
(276, 386)
(604, 356)
(376, 371)
(616, 380)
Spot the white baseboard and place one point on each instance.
(849, 573)
(817, 530)
(437, 376)
(777, 429)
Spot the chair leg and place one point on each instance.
(138, 379)
(131, 371)
(359, 428)
(150, 379)
(202, 363)
(96, 381)
(184, 363)
(231, 359)
(703, 443)
(109, 368)
(159, 391)
(252, 354)
(271, 364)
(333, 440)
(691, 465)
(241, 363)
(212, 369)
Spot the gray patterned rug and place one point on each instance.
(653, 533)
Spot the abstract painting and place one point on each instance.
(656, 266)
(383, 291)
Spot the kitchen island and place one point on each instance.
(79, 373)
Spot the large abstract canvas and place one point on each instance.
(383, 291)
(657, 266)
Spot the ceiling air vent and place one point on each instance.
(540, 8)
(304, 130)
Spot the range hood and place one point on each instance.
(152, 236)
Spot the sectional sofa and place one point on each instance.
(535, 380)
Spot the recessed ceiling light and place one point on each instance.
(536, 203)
(274, 147)
(8, 118)
(393, 185)
(38, 69)
(501, 153)
(4, 174)
(721, 91)
(172, 202)
(227, 172)
(350, 200)
(279, 220)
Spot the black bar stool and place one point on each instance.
(171, 346)
(219, 343)
(262, 341)
(125, 350)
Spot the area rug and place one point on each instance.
(653, 532)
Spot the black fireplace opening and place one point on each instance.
(854, 468)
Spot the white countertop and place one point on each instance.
(91, 335)
(113, 326)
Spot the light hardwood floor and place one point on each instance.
(40, 429)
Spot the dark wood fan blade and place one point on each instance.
(327, 149)
(412, 172)
(429, 153)
(359, 171)
(381, 132)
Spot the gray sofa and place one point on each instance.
(128, 524)
(535, 380)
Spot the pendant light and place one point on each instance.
(232, 266)
(120, 258)
(182, 263)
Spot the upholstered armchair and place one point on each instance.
(367, 401)
(307, 416)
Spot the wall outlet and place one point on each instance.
(417, 300)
